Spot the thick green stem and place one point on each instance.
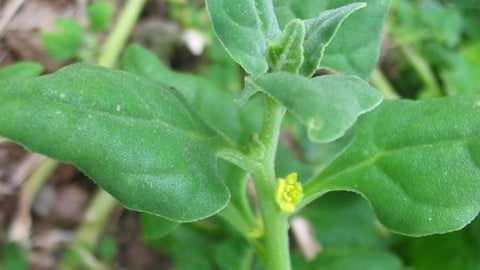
(422, 68)
(382, 83)
(277, 251)
(118, 37)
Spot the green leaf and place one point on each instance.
(457, 250)
(191, 249)
(287, 53)
(416, 162)
(355, 48)
(21, 70)
(320, 31)
(245, 28)
(328, 105)
(107, 249)
(65, 43)
(15, 257)
(233, 254)
(353, 259)
(217, 107)
(136, 138)
(155, 227)
(344, 220)
(100, 14)
(462, 77)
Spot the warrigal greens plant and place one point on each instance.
(179, 149)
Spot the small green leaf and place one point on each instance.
(328, 105)
(155, 227)
(245, 28)
(416, 162)
(355, 48)
(21, 70)
(136, 138)
(100, 14)
(287, 53)
(353, 259)
(65, 43)
(320, 31)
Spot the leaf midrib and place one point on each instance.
(377, 155)
(129, 119)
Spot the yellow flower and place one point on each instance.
(288, 193)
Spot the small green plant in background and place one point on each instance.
(71, 41)
(180, 149)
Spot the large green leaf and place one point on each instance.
(212, 104)
(245, 28)
(136, 138)
(416, 162)
(328, 105)
(355, 48)
(320, 31)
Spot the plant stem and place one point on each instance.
(382, 83)
(21, 225)
(277, 252)
(422, 68)
(118, 37)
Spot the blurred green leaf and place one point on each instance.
(417, 167)
(463, 75)
(107, 249)
(14, 257)
(21, 70)
(458, 250)
(155, 227)
(65, 43)
(432, 16)
(100, 14)
(352, 259)
(344, 220)
(234, 254)
(286, 162)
